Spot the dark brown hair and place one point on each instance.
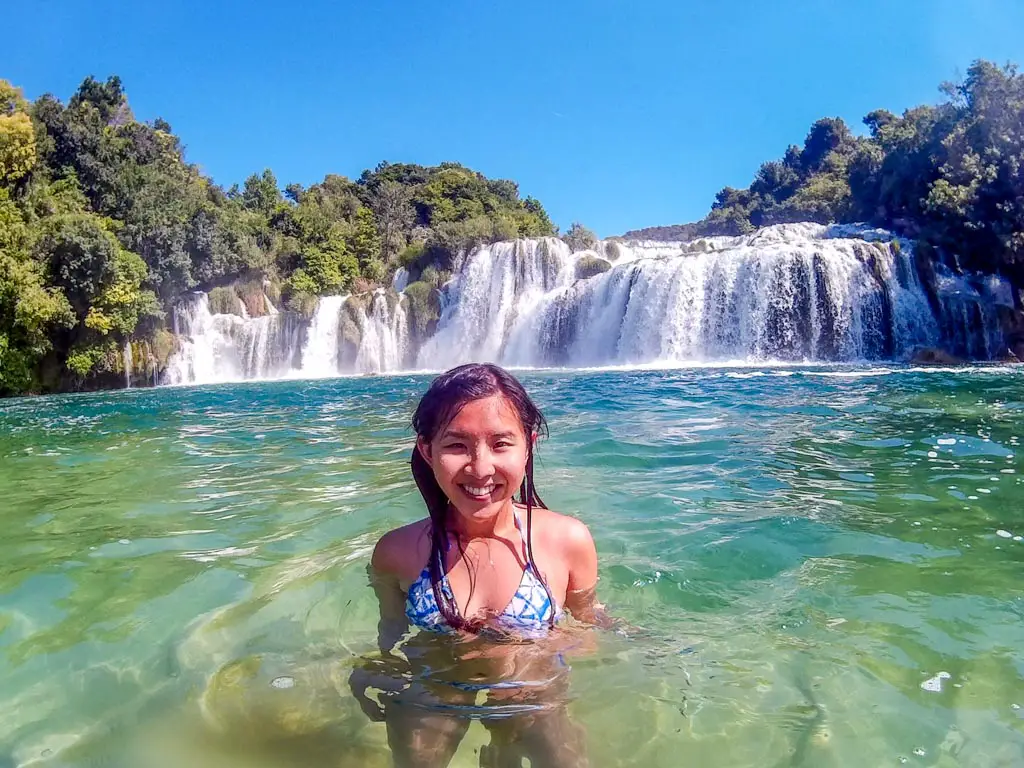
(447, 395)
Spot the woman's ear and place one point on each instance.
(533, 439)
(423, 446)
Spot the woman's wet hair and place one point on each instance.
(447, 395)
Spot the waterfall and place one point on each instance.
(128, 363)
(790, 292)
(363, 334)
(497, 295)
(217, 348)
(320, 355)
(385, 336)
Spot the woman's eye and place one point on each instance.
(454, 446)
(503, 444)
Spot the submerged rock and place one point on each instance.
(935, 356)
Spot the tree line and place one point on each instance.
(950, 176)
(104, 225)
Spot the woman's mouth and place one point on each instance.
(478, 492)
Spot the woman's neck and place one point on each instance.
(499, 525)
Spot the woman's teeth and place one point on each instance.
(483, 490)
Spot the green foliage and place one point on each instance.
(17, 135)
(949, 176)
(365, 240)
(411, 254)
(224, 301)
(579, 238)
(30, 313)
(83, 359)
(424, 307)
(104, 226)
(261, 193)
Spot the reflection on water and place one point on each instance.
(818, 567)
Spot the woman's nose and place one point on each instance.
(482, 464)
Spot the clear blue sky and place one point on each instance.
(619, 114)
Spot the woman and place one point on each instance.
(487, 577)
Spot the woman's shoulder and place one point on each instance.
(403, 550)
(570, 531)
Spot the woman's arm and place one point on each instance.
(391, 626)
(393, 622)
(581, 589)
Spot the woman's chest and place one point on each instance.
(488, 583)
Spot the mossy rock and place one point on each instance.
(591, 266)
(424, 306)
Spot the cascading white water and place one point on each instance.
(787, 292)
(225, 347)
(216, 348)
(499, 287)
(320, 355)
(127, 363)
(385, 335)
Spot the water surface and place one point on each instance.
(826, 564)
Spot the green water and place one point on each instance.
(803, 548)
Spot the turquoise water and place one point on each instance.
(182, 571)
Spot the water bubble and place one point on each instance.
(1015, 706)
(983, 490)
(124, 541)
(946, 441)
(932, 455)
(283, 682)
(1004, 534)
(917, 522)
(919, 752)
(903, 759)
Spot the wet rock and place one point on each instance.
(935, 356)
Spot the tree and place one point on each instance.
(391, 205)
(579, 238)
(364, 241)
(17, 135)
(261, 193)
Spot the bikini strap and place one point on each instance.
(522, 538)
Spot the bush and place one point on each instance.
(224, 301)
(411, 254)
(424, 302)
(373, 269)
(579, 238)
(303, 303)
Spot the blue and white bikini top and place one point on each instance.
(529, 612)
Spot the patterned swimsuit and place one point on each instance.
(529, 612)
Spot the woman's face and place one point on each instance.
(479, 459)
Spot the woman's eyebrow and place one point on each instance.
(466, 436)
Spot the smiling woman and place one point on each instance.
(487, 575)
